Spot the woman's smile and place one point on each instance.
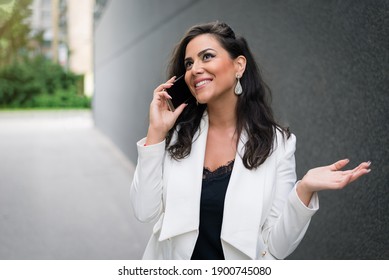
(201, 83)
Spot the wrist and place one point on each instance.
(303, 192)
(154, 136)
(302, 186)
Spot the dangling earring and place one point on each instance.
(238, 87)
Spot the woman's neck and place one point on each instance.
(222, 115)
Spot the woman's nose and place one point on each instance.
(197, 67)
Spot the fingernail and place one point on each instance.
(368, 170)
(368, 163)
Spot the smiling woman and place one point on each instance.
(218, 175)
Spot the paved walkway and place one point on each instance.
(64, 190)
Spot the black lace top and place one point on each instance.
(214, 187)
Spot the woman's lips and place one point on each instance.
(202, 83)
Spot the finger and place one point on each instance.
(362, 165)
(352, 176)
(169, 82)
(356, 175)
(179, 109)
(158, 101)
(164, 86)
(160, 95)
(341, 182)
(347, 172)
(164, 94)
(339, 164)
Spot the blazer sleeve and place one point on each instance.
(289, 218)
(147, 186)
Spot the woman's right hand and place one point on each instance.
(161, 118)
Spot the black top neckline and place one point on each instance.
(221, 170)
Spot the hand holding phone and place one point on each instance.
(179, 92)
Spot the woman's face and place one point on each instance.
(210, 71)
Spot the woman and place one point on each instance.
(218, 174)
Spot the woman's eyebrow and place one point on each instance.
(200, 53)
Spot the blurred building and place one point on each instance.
(80, 40)
(66, 32)
(48, 21)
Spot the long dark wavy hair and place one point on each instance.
(254, 114)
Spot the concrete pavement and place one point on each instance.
(64, 190)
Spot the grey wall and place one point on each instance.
(327, 64)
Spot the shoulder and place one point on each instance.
(284, 141)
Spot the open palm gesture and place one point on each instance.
(329, 177)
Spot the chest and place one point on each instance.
(220, 148)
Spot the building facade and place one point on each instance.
(67, 29)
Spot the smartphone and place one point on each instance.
(179, 92)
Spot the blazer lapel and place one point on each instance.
(243, 205)
(184, 188)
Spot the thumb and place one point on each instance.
(339, 164)
(179, 110)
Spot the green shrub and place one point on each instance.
(60, 99)
(17, 85)
(40, 83)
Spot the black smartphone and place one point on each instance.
(179, 92)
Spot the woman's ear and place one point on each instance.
(240, 65)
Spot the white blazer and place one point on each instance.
(263, 217)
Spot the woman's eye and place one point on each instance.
(188, 64)
(208, 56)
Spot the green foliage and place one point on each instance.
(27, 82)
(61, 98)
(14, 31)
(40, 83)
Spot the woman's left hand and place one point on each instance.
(329, 177)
